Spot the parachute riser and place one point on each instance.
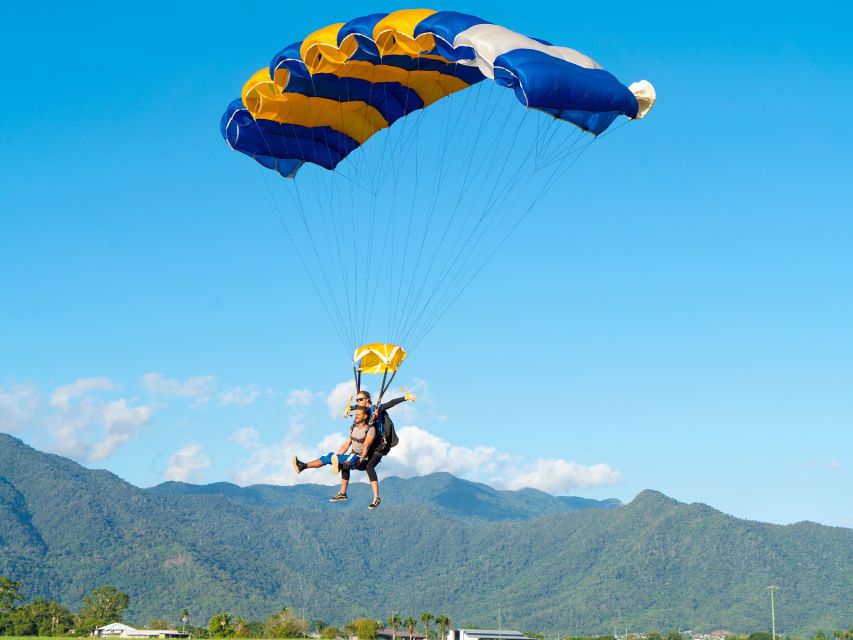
(357, 375)
(384, 388)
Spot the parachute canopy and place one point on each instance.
(453, 130)
(378, 358)
(323, 97)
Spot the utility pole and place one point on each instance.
(773, 589)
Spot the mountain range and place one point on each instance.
(438, 543)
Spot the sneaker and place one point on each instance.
(298, 465)
(376, 502)
(336, 464)
(339, 498)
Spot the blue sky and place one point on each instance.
(677, 314)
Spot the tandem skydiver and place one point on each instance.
(366, 443)
(380, 446)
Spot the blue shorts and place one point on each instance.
(350, 459)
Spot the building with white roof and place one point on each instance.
(485, 634)
(119, 630)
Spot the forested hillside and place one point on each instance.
(437, 544)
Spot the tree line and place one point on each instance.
(285, 624)
(43, 617)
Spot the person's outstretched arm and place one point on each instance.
(392, 403)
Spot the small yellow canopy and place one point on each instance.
(378, 357)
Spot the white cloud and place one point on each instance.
(267, 464)
(300, 398)
(337, 398)
(246, 438)
(185, 462)
(69, 435)
(90, 428)
(330, 442)
(559, 476)
(199, 388)
(62, 396)
(121, 423)
(271, 463)
(241, 396)
(420, 452)
(18, 405)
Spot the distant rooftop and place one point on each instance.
(119, 630)
(482, 634)
(402, 633)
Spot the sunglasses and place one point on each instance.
(360, 399)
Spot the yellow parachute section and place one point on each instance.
(378, 358)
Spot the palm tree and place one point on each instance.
(185, 616)
(410, 623)
(426, 618)
(443, 623)
(394, 622)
